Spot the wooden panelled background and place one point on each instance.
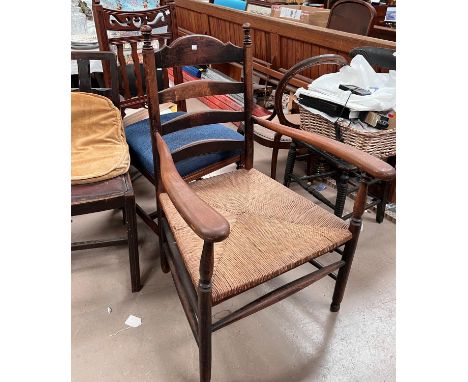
(277, 44)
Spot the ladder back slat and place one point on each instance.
(198, 50)
(201, 88)
(200, 118)
(207, 146)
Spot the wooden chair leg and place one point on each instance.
(343, 273)
(341, 192)
(290, 163)
(274, 155)
(162, 239)
(204, 331)
(130, 214)
(383, 203)
(124, 217)
(350, 247)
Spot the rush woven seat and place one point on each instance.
(252, 254)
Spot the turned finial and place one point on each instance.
(247, 40)
(146, 32)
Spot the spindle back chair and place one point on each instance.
(226, 234)
(127, 46)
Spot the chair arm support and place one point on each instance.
(366, 162)
(207, 223)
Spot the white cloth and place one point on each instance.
(361, 74)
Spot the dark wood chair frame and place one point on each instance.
(347, 3)
(208, 224)
(116, 193)
(341, 171)
(131, 21)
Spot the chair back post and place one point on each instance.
(177, 71)
(103, 40)
(248, 98)
(149, 64)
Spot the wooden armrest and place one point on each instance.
(366, 162)
(207, 223)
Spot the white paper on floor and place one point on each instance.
(131, 322)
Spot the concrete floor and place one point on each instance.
(298, 339)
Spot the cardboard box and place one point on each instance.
(302, 14)
(258, 10)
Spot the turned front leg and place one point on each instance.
(350, 247)
(204, 312)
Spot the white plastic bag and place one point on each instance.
(358, 73)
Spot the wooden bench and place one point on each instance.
(277, 44)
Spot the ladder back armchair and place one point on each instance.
(226, 234)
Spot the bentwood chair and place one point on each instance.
(319, 163)
(127, 45)
(226, 234)
(271, 139)
(112, 193)
(353, 16)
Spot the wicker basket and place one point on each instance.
(381, 143)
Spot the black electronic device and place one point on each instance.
(330, 108)
(355, 90)
(375, 119)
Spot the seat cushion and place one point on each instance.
(99, 149)
(139, 141)
(273, 230)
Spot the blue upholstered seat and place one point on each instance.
(139, 142)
